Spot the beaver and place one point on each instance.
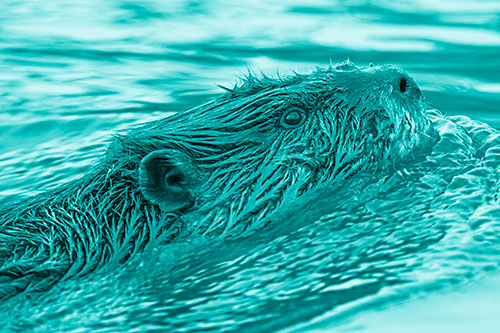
(221, 169)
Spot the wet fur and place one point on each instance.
(249, 168)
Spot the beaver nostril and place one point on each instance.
(402, 85)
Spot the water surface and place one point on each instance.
(71, 74)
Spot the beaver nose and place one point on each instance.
(407, 86)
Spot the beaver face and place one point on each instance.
(228, 164)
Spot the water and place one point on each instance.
(71, 74)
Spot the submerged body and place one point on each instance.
(224, 169)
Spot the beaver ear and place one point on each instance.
(167, 178)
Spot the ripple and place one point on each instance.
(72, 74)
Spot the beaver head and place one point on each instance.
(227, 165)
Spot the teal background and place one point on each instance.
(72, 73)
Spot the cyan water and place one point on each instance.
(418, 250)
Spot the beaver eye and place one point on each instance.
(292, 117)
